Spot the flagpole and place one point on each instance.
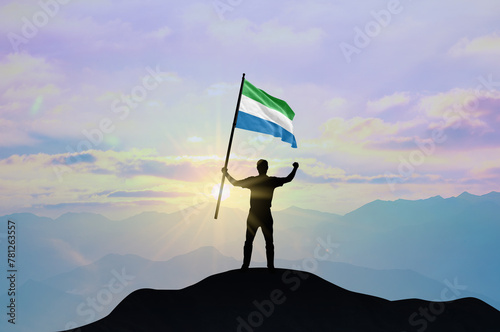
(229, 146)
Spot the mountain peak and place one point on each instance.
(71, 216)
(492, 194)
(466, 194)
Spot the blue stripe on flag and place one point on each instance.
(253, 123)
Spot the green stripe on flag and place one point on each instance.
(267, 100)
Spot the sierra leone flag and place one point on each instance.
(265, 114)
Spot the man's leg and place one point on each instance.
(252, 227)
(267, 230)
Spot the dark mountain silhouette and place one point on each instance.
(287, 300)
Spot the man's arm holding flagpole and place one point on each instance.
(233, 181)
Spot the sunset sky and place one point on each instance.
(119, 107)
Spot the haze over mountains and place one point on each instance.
(393, 250)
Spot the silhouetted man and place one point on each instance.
(262, 188)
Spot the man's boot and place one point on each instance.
(247, 255)
(270, 257)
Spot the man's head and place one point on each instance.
(262, 166)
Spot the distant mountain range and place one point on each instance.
(441, 238)
(391, 249)
(287, 300)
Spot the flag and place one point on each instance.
(265, 114)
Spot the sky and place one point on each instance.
(120, 107)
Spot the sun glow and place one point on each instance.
(225, 192)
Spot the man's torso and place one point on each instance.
(262, 189)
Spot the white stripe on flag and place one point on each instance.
(250, 106)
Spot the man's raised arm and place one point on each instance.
(229, 177)
(292, 173)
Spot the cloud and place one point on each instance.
(463, 113)
(69, 206)
(12, 135)
(183, 171)
(40, 104)
(252, 35)
(335, 103)
(21, 69)
(218, 89)
(319, 175)
(387, 102)
(109, 182)
(480, 46)
(266, 37)
(486, 164)
(494, 172)
(148, 193)
(160, 33)
(353, 178)
(357, 129)
(74, 158)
